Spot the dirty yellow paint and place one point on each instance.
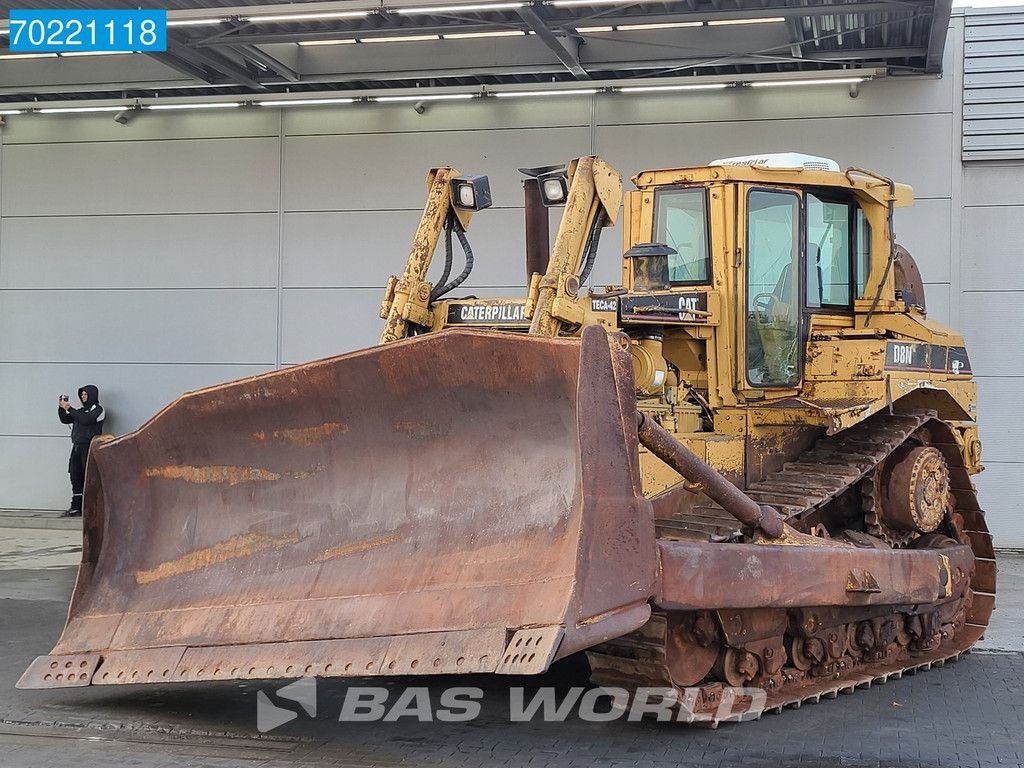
(212, 475)
(304, 435)
(246, 545)
(354, 549)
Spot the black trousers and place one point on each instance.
(76, 468)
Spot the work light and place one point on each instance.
(471, 192)
(554, 189)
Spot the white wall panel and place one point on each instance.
(188, 124)
(991, 256)
(991, 323)
(361, 248)
(938, 300)
(993, 185)
(388, 171)
(924, 230)
(322, 322)
(206, 250)
(999, 494)
(439, 116)
(34, 472)
(194, 326)
(131, 394)
(1001, 417)
(204, 175)
(881, 144)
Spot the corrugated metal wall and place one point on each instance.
(184, 250)
(993, 121)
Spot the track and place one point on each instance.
(861, 649)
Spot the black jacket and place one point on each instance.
(87, 420)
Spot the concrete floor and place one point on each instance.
(967, 714)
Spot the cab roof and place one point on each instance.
(873, 185)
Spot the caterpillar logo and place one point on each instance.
(508, 313)
(666, 307)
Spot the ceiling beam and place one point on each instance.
(569, 58)
(271, 63)
(217, 62)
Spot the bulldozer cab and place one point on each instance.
(777, 253)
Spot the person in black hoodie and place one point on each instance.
(86, 422)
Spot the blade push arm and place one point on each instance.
(407, 298)
(595, 190)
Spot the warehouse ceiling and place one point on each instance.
(229, 47)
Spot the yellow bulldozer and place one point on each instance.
(749, 465)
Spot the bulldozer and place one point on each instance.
(747, 466)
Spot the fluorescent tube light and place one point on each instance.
(815, 81)
(589, 30)
(12, 111)
(467, 8)
(95, 53)
(195, 105)
(572, 92)
(400, 39)
(664, 25)
(731, 22)
(328, 42)
(307, 16)
(68, 110)
(194, 22)
(28, 56)
(573, 3)
(471, 35)
(426, 97)
(303, 102)
(681, 87)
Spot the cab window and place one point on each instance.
(773, 296)
(838, 253)
(680, 221)
(828, 253)
(862, 250)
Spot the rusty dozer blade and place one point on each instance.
(456, 502)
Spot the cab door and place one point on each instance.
(773, 321)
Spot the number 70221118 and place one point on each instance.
(66, 31)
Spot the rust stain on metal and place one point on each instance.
(212, 474)
(353, 549)
(304, 435)
(246, 545)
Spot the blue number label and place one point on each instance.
(39, 31)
